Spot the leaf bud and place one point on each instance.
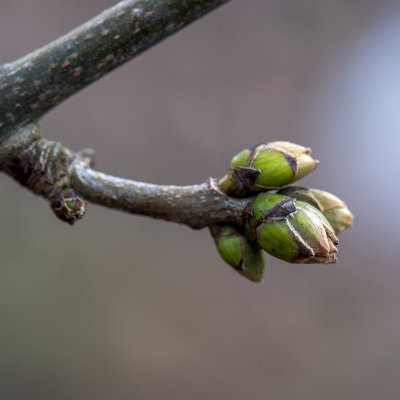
(235, 249)
(334, 209)
(267, 166)
(291, 229)
(68, 205)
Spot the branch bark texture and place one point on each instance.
(47, 168)
(197, 206)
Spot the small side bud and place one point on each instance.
(267, 166)
(235, 250)
(68, 205)
(240, 181)
(291, 230)
(334, 209)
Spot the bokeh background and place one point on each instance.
(127, 307)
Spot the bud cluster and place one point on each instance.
(295, 224)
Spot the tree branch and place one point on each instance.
(48, 168)
(197, 206)
(34, 84)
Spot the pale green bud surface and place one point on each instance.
(235, 249)
(276, 169)
(291, 230)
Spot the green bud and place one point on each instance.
(236, 250)
(291, 229)
(267, 166)
(334, 209)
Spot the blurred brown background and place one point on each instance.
(126, 307)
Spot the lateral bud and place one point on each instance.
(68, 205)
(235, 250)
